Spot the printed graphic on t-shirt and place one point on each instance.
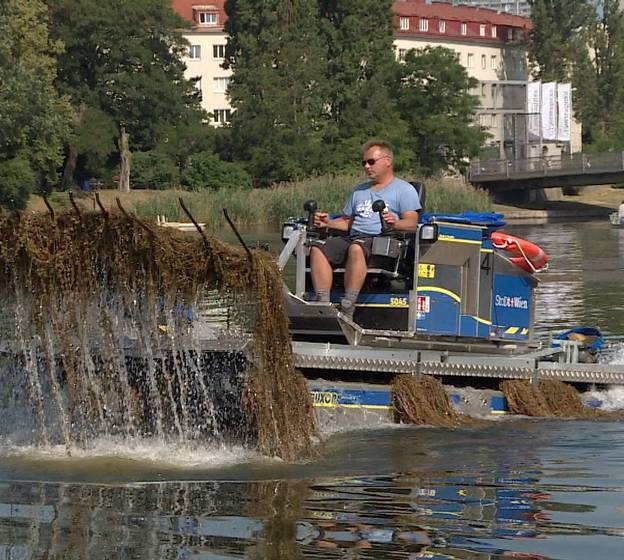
(364, 208)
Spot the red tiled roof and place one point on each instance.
(184, 8)
(443, 10)
(440, 10)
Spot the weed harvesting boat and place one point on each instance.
(454, 299)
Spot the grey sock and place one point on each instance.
(322, 295)
(352, 295)
(349, 299)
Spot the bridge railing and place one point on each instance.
(604, 162)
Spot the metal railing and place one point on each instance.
(605, 162)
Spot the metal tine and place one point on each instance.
(190, 216)
(99, 203)
(49, 207)
(238, 235)
(135, 218)
(73, 203)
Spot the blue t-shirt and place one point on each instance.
(398, 195)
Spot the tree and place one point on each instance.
(277, 88)
(359, 37)
(558, 36)
(602, 97)
(207, 171)
(432, 90)
(123, 59)
(34, 119)
(583, 42)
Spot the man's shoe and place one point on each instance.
(347, 308)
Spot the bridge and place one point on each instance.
(576, 170)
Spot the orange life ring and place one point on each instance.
(524, 254)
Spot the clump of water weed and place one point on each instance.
(422, 400)
(83, 285)
(547, 398)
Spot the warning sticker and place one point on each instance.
(426, 270)
(422, 304)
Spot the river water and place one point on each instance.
(517, 488)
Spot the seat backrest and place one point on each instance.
(422, 192)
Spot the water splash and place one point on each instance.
(615, 355)
(608, 399)
(107, 339)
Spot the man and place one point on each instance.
(621, 212)
(360, 224)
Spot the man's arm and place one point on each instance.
(407, 222)
(342, 223)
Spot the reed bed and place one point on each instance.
(284, 200)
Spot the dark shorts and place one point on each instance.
(336, 248)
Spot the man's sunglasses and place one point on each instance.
(371, 161)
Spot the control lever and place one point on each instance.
(310, 206)
(379, 206)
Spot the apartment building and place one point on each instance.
(206, 53)
(485, 41)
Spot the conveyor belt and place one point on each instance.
(356, 358)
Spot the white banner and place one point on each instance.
(549, 111)
(533, 103)
(564, 111)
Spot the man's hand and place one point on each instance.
(389, 218)
(407, 222)
(321, 219)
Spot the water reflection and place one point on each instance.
(511, 491)
(374, 517)
(583, 283)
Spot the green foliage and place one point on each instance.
(122, 59)
(17, 181)
(583, 42)
(433, 96)
(558, 37)
(34, 119)
(602, 97)
(153, 170)
(178, 141)
(359, 37)
(277, 89)
(207, 171)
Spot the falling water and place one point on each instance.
(109, 332)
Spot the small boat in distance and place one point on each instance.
(615, 220)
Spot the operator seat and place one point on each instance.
(422, 192)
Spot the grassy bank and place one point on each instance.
(269, 206)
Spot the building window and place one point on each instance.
(494, 31)
(423, 24)
(509, 34)
(218, 51)
(207, 18)
(483, 62)
(493, 62)
(482, 30)
(404, 23)
(459, 58)
(220, 85)
(464, 28)
(442, 26)
(401, 55)
(223, 116)
(195, 52)
(470, 60)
